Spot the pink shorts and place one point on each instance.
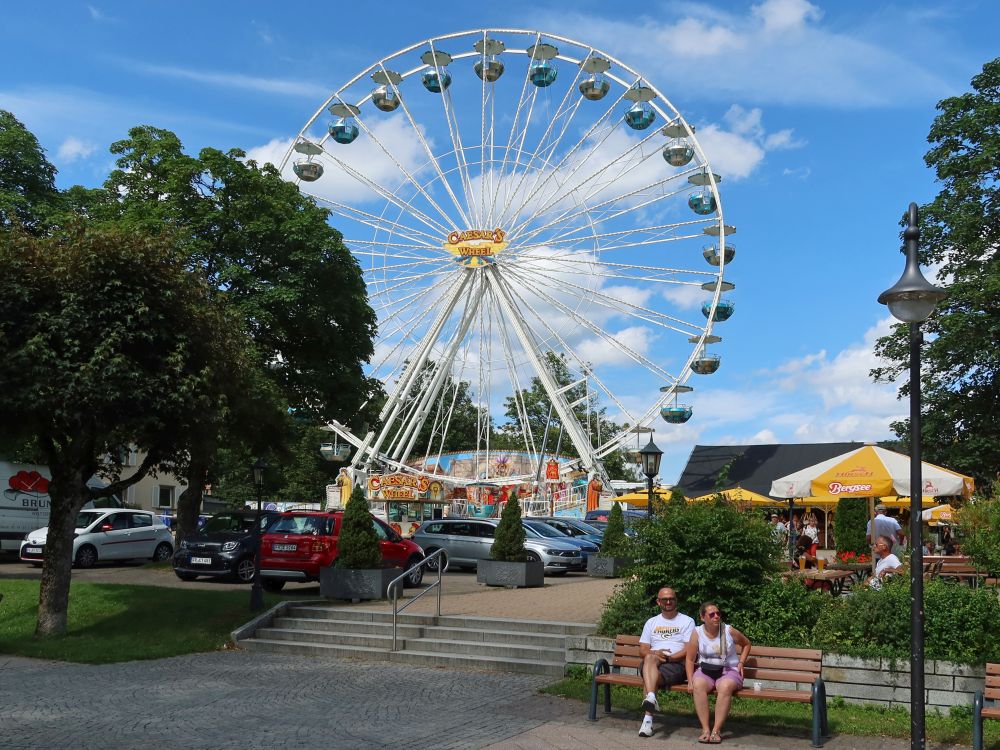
(728, 674)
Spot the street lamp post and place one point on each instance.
(256, 593)
(650, 457)
(911, 300)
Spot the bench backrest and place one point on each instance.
(802, 665)
(992, 690)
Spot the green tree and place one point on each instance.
(454, 422)
(27, 179)
(357, 546)
(615, 543)
(107, 341)
(849, 525)
(979, 523)
(508, 543)
(280, 264)
(960, 232)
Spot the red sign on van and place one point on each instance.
(29, 481)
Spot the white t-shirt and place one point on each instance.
(667, 635)
(812, 532)
(889, 561)
(884, 526)
(710, 650)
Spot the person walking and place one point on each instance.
(663, 647)
(716, 655)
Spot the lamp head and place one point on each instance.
(258, 468)
(913, 298)
(650, 457)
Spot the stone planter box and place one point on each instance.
(513, 574)
(355, 585)
(608, 567)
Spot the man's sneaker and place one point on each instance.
(651, 706)
(646, 729)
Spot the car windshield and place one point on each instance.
(543, 529)
(222, 522)
(315, 525)
(86, 517)
(585, 526)
(599, 525)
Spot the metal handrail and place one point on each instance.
(394, 588)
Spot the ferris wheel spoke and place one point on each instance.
(402, 281)
(520, 407)
(663, 233)
(415, 235)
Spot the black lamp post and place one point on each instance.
(256, 593)
(650, 458)
(911, 300)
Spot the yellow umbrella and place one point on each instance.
(892, 501)
(938, 515)
(741, 496)
(641, 499)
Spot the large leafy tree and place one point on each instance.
(27, 179)
(961, 234)
(282, 266)
(107, 341)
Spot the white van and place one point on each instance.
(24, 501)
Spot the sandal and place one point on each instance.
(705, 738)
(715, 738)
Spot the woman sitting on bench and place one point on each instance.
(713, 648)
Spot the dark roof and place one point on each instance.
(753, 467)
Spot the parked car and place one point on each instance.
(223, 547)
(298, 544)
(599, 519)
(108, 535)
(574, 527)
(466, 541)
(540, 529)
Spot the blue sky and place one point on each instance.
(816, 114)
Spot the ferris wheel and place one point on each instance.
(526, 210)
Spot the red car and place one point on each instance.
(299, 543)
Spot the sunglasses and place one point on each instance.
(667, 599)
(713, 615)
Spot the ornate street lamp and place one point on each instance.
(256, 593)
(650, 457)
(911, 300)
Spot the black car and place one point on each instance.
(223, 547)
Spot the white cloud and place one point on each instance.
(730, 154)
(685, 296)
(99, 15)
(599, 351)
(234, 80)
(786, 16)
(73, 148)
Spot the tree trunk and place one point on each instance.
(189, 502)
(66, 491)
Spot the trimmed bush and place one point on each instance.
(705, 551)
(849, 525)
(783, 615)
(615, 543)
(357, 547)
(979, 524)
(508, 544)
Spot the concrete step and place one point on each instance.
(478, 635)
(357, 615)
(532, 626)
(298, 648)
(506, 651)
(348, 627)
(467, 661)
(319, 636)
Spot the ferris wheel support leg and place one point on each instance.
(395, 401)
(566, 415)
(416, 422)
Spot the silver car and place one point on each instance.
(466, 541)
(108, 535)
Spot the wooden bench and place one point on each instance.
(980, 711)
(799, 665)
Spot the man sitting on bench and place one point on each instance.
(663, 647)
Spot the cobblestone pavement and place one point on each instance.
(249, 701)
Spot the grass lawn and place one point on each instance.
(844, 718)
(113, 622)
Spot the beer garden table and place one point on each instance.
(836, 578)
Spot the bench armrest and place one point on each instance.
(601, 666)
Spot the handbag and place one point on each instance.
(715, 671)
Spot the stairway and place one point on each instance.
(459, 641)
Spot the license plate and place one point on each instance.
(33, 550)
(201, 560)
(284, 547)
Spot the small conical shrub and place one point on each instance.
(849, 525)
(357, 547)
(615, 543)
(508, 544)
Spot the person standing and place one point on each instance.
(663, 647)
(884, 526)
(812, 533)
(716, 655)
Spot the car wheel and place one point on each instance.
(558, 573)
(533, 557)
(163, 552)
(433, 564)
(86, 556)
(244, 570)
(273, 584)
(416, 576)
(185, 576)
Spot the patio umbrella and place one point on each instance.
(939, 514)
(641, 499)
(869, 471)
(740, 496)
